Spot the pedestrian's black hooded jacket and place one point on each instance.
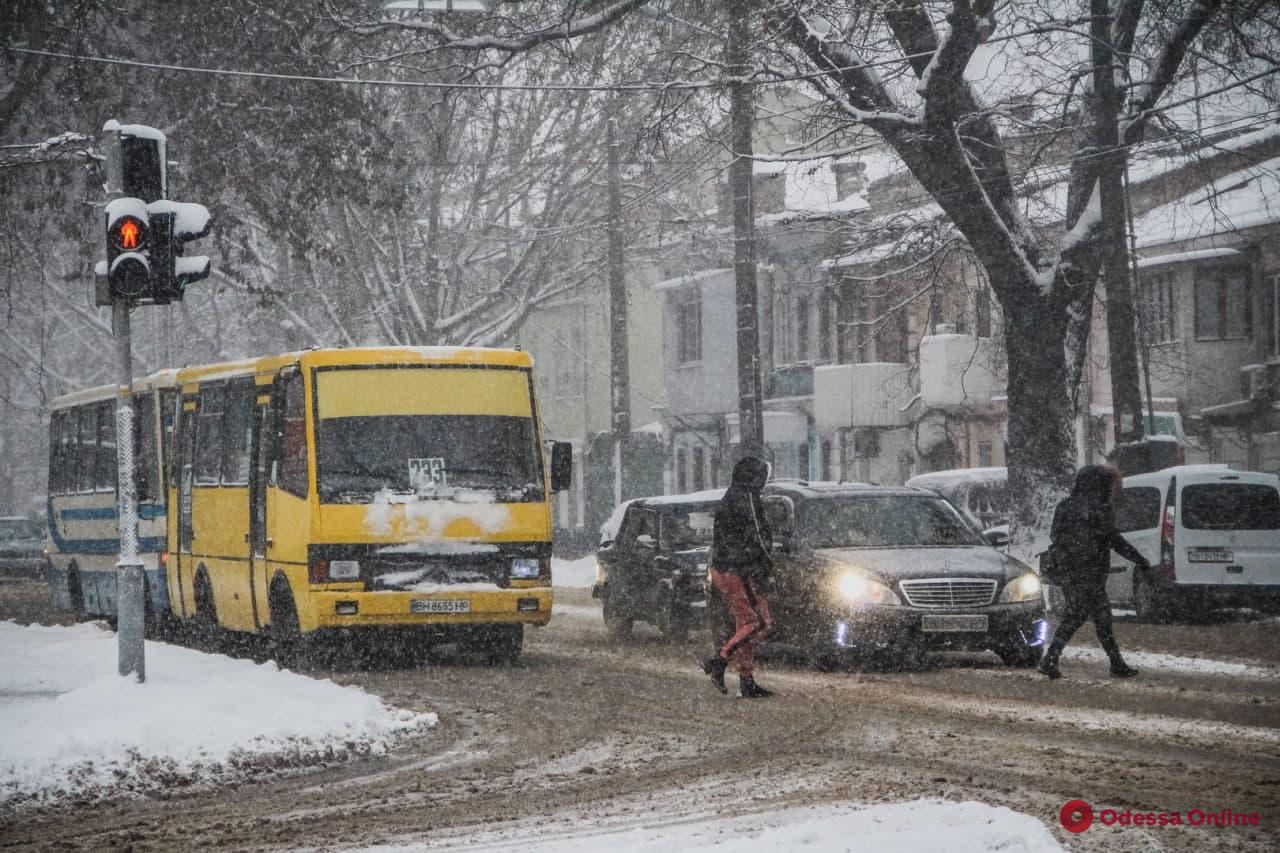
(741, 538)
(1084, 529)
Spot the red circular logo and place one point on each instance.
(1076, 816)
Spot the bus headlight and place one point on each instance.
(1022, 588)
(344, 570)
(855, 588)
(524, 567)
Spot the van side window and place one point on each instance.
(1139, 509)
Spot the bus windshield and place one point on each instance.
(430, 432)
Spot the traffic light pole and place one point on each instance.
(130, 584)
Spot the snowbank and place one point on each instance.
(70, 725)
(579, 573)
(890, 828)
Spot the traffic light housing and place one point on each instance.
(146, 232)
(128, 264)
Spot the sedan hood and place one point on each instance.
(901, 563)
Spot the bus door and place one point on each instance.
(263, 433)
(186, 476)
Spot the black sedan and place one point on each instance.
(865, 571)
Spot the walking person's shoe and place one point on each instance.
(1049, 662)
(1120, 669)
(715, 667)
(748, 689)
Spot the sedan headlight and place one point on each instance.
(858, 589)
(1022, 588)
(524, 567)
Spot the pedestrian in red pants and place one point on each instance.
(740, 545)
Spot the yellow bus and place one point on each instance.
(83, 518)
(339, 489)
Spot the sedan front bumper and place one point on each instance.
(991, 627)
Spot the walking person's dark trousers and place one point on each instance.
(1085, 601)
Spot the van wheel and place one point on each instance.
(288, 646)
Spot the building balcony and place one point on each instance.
(876, 394)
(958, 370)
(790, 380)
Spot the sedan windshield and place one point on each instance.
(431, 455)
(884, 522)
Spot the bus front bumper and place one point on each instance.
(350, 609)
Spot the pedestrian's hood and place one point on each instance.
(901, 563)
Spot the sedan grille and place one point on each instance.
(949, 592)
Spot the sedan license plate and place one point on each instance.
(938, 623)
(439, 605)
(1209, 555)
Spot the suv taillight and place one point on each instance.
(1167, 525)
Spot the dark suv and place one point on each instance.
(653, 571)
(892, 572)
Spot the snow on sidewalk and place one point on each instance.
(70, 725)
(1159, 661)
(966, 827)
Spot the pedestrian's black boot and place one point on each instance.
(715, 667)
(1120, 669)
(1049, 663)
(748, 689)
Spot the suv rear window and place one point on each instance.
(1230, 506)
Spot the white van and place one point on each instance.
(1212, 536)
(981, 494)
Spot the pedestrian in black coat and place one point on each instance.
(1084, 534)
(740, 545)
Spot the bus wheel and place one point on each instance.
(206, 621)
(75, 593)
(503, 643)
(288, 646)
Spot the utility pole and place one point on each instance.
(619, 370)
(1126, 398)
(741, 174)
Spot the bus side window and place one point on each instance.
(208, 460)
(168, 424)
(105, 476)
(237, 431)
(144, 463)
(293, 455)
(57, 453)
(87, 448)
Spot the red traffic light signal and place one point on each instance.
(128, 234)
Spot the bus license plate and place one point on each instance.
(940, 623)
(439, 605)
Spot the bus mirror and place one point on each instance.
(561, 465)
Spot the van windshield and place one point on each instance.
(1231, 506)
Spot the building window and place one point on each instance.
(699, 469)
(1156, 308)
(803, 331)
(1222, 305)
(802, 461)
(689, 331)
(824, 326)
(1273, 293)
(982, 312)
(828, 467)
(984, 454)
(682, 474)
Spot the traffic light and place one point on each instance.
(128, 265)
(173, 224)
(146, 232)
